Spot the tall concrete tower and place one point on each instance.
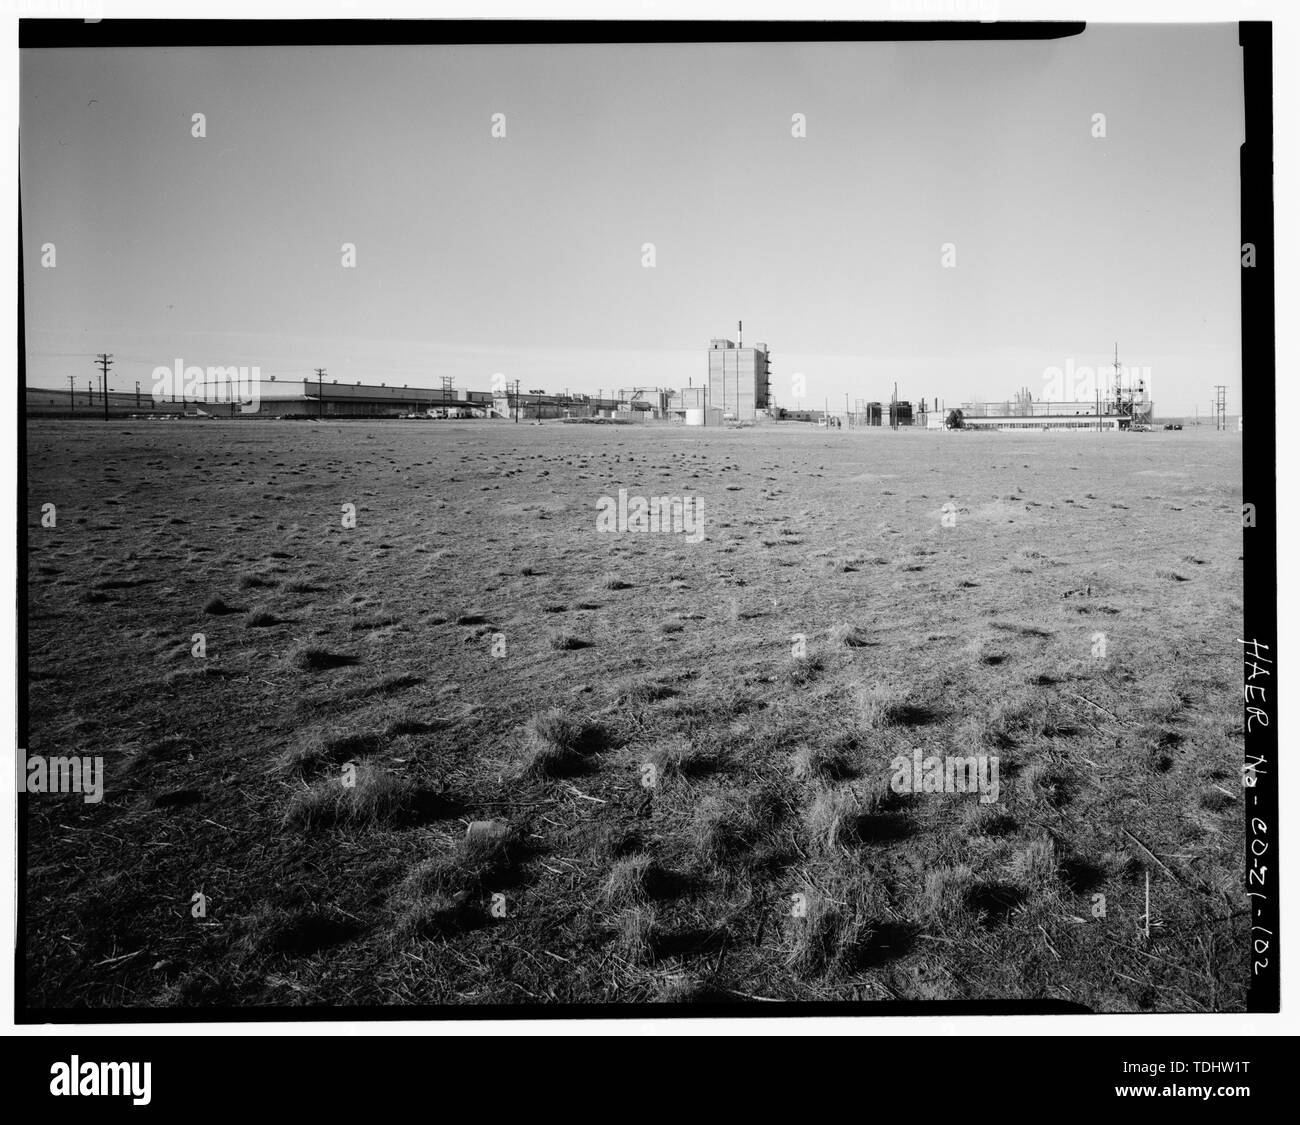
(738, 379)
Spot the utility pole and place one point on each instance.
(72, 394)
(320, 392)
(137, 394)
(105, 361)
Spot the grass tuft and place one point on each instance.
(850, 635)
(1034, 867)
(563, 642)
(635, 881)
(886, 705)
(317, 750)
(725, 827)
(311, 658)
(636, 934)
(374, 798)
(822, 762)
(827, 937)
(679, 757)
(556, 744)
(944, 896)
(832, 819)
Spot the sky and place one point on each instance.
(524, 254)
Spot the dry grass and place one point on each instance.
(831, 819)
(556, 744)
(850, 635)
(724, 828)
(436, 915)
(827, 934)
(822, 762)
(774, 770)
(296, 931)
(635, 881)
(680, 757)
(804, 670)
(1035, 865)
(944, 898)
(317, 750)
(447, 894)
(636, 933)
(887, 705)
(313, 658)
(641, 691)
(564, 642)
(368, 796)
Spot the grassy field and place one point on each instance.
(681, 750)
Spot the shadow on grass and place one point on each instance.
(887, 942)
(1080, 874)
(994, 901)
(300, 933)
(693, 941)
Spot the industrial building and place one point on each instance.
(537, 405)
(738, 380)
(736, 388)
(309, 398)
(1054, 416)
(688, 398)
(312, 399)
(1126, 407)
(896, 413)
(334, 399)
(89, 403)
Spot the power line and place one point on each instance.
(105, 361)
